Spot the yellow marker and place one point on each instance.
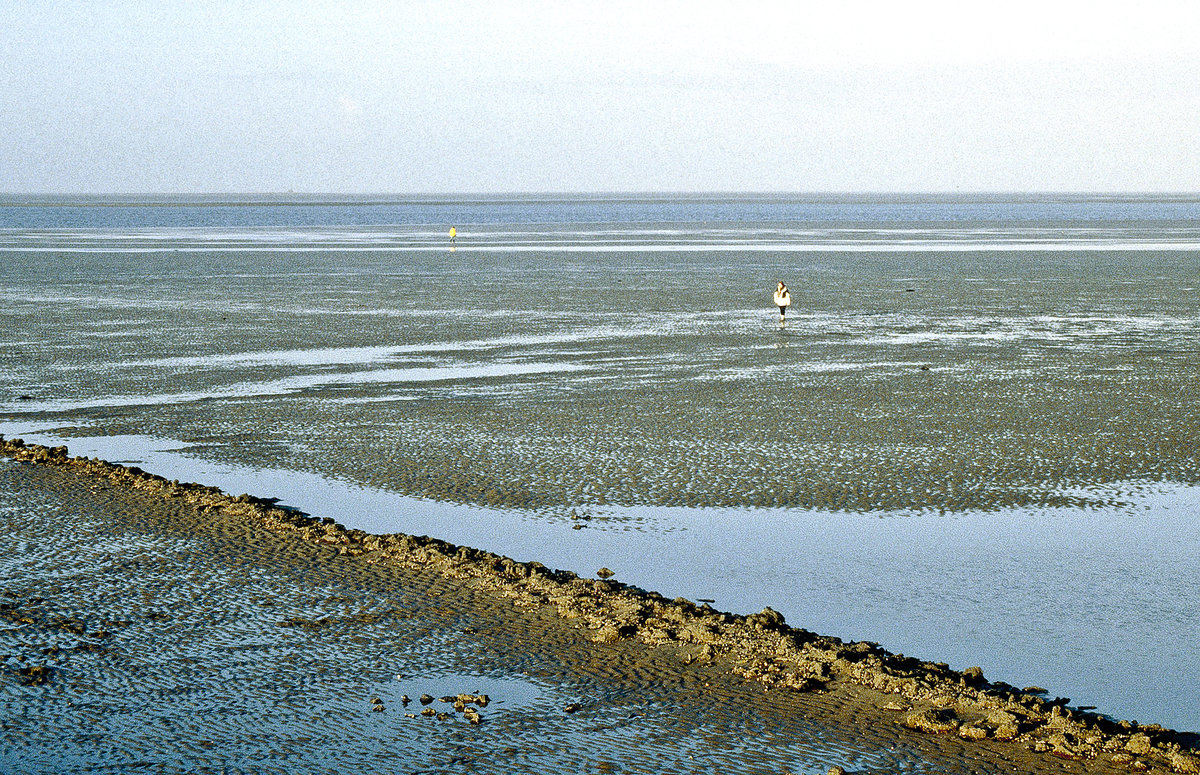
(453, 232)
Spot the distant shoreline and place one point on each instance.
(317, 198)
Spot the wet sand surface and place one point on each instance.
(141, 635)
(606, 373)
(547, 383)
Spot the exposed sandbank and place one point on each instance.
(815, 670)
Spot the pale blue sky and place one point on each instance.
(455, 96)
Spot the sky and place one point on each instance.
(455, 96)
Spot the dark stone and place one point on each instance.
(35, 675)
(973, 676)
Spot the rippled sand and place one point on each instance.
(902, 381)
(177, 642)
(550, 380)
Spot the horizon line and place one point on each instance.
(608, 194)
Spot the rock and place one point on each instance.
(605, 573)
(802, 684)
(607, 634)
(574, 706)
(428, 712)
(1007, 732)
(768, 619)
(999, 717)
(836, 770)
(1139, 744)
(35, 675)
(1063, 747)
(1185, 763)
(405, 699)
(426, 699)
(973, 676)
(896, 706)
(972, 732)
(1007, 725)
(932, 720)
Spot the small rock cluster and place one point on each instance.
(73, 635)
(466, 704)
(929, 696)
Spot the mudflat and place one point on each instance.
(150, 624)
(1034, 404)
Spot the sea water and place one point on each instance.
(973, 440)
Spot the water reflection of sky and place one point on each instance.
(295, 384)
(638, 349)
(602, 238)
(1096, 604)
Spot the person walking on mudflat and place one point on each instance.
(783, 300)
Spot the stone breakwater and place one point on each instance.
(926, 696)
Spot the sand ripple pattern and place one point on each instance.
(176, 643)
(936, 381)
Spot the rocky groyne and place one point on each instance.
(925, 696)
